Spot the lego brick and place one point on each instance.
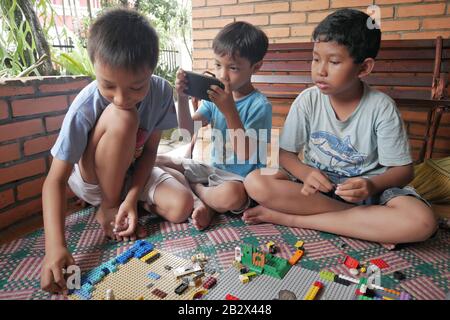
(296, 257)
(209, 283)
(313, 290)
(150, 257)
(326, 275)
(350, 262)
(181, 288)
(129, 280)
(159, 293)
(380, 263)
(153, 275)
(299, 244)
(263, 287)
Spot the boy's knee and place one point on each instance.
(234, 197)
(426, 223)
(124, 121)
(421, 221)
(255, 186)
(181, 208)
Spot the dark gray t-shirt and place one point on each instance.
(156, 111)
(370, 140)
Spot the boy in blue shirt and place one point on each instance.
(356, 153)
(240, 118)
(108, 142)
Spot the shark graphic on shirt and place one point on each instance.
(340, 151)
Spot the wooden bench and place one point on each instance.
(413, 72)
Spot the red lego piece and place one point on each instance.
(351, 263)
(159, 293)
(380, 263)
(230, 297)
(209, 283)
(318, 284)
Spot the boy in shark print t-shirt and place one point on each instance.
(356, 159)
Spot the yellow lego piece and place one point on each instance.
(243, 278)
(148, 256)
(313, 290)
(250, 274)
(299, 244)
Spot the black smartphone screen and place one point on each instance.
(198, 84)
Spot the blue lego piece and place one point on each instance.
(153, 275)
(94, 276)
(87, 287)
(124, 257)
(82, 294)
(143, 249)
(110, 265)
(85, 291)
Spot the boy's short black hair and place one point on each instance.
(123, 38)
(242, 39)
(350, 28)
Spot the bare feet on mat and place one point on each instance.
(258, 214)
(202, 215)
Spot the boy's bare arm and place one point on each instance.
(57, 256)
(393, 177)
(313, 179)
(223, 98)
(196, 117)
(185, 120)
(360, 188)
(54, 202)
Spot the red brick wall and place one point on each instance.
(294, 20)
(31, 113)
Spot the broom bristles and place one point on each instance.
(432, 180)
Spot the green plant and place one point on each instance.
(77, 61)
(22, 42)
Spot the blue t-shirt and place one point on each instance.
(255, 112)
(156, 111)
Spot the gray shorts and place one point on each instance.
(200, 172)
(379, 199)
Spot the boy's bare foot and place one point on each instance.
(106, 220)
(258, 214)
(201, 215)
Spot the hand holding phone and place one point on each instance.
(198, 85)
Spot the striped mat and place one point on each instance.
(425, 265)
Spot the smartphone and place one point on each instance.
(198, 84)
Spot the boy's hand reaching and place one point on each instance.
(52, 276)
(355, 189)
(315, 181)
(181, 83)
(222, 98)
(126, 221)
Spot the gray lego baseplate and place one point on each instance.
(263, 287)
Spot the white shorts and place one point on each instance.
(200, 172)
(92, 194)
